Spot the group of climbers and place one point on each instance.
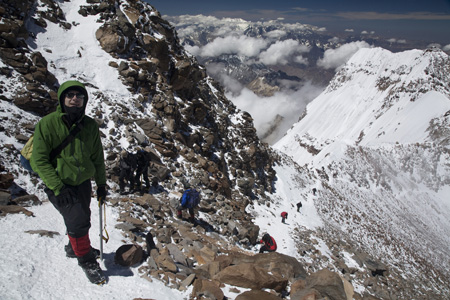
(269, 242)
(133, 166)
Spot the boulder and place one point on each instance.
(330, 285)
(208, 288)
(257, 295)
(128, 255)
(250, 276)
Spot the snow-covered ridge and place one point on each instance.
(378, 138)
(377, 97)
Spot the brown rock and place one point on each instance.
(14, 209)
(248, 275)
(207, 287)
(257, 295)
(329, 284)
(128, 255)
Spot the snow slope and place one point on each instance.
(377, 97)
(372, 137)
(35, 267)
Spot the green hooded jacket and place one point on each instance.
(79, 161)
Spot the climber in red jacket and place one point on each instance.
(269, 244)
(284, 216)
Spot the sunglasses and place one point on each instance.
(78, 95)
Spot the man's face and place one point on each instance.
(74, 98)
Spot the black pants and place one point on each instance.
(77, 216)
(137, 178)
(126, 176)
(180, 208)
(265, 249)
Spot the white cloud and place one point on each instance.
(281, 52)
(349, 30)
(231, 85)
(446, 47)
(393, 40)
(194, 50)
(301, 60)
(334, 58)
(434, 45)
(289, 104)
(275, 34)
(241, 45)
(334, 40)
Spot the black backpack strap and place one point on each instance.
(67, 140)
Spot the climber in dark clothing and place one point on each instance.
(299, 205)
(127, 166)
(269, 244)
(143, 162)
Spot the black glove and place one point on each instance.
(101, 194)
(66, 197)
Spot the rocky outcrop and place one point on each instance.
(38, 93)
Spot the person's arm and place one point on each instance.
(98, 159)
(40, 159)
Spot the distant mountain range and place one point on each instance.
(210, 40)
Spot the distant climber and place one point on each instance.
(284, 216)
(189, 200)
(269, 244)
(143, 162)
(314, 190)
(127, 166)
(299, 205)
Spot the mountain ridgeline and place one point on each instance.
(171, 108)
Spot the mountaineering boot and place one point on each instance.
(71, 254)
(91, 268)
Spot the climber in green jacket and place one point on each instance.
(68, 176)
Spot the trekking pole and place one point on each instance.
(101, 228)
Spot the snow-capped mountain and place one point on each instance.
(378, 137)
(373, 222)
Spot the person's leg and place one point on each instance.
(122, 178)
(76, 215)
(191, 215)
(137, 178)
(180, 212)
(130, 177)
(147, 181)
(78, 220)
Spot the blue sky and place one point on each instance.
(410, 19)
